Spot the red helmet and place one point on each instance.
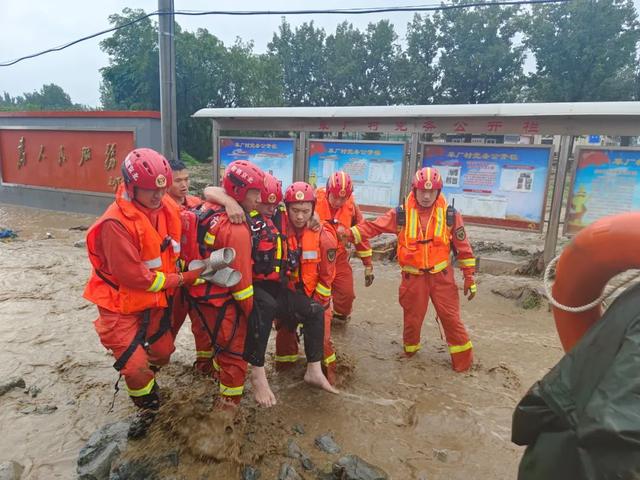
(299, 192)
(145, 168)
(340, 184)
(271, 193)
(241, 176)
(427, 178)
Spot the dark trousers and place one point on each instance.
(272, 300)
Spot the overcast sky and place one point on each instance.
(29, 26)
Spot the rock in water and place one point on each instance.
(10, 470)
(14, 382)
(352, 467)
(294, 451)
(326, 443)
(104, 446)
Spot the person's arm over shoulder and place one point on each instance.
(363, 248)
(327, 266)
(372, 228)
(238, 237)
(124, 263)
(218, 195)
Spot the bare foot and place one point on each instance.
(316, 378)
(261, 390)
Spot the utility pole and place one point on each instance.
(168, 118)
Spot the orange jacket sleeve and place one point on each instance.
(237, 236)
(363, 249)
(372, 228)
(326, 267)
(121, 259)
(462, 246)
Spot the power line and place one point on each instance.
(337, 11)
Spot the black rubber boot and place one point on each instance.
(148, 406)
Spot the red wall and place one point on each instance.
(47, 171)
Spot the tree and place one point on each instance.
(346, 54)
(385, 66)
(302, 60)
(584, 51)
(131, 80)
(49, 97)
(422, 78)
(479, 62)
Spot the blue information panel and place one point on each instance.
(605, 182)
(494, 185)
(375, 168)
(273, 155)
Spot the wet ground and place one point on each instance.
(414, 418)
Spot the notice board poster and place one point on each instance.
(502, 186)
(605, 182)
(374, 167)
(273, 155)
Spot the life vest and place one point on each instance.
(306, 253)
(199, 227)
(159, 250)
(424, 248)
(344, 216)
(268, 249)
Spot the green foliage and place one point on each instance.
(479, 62)
(49, 97)
(584, 50)
(187, 159)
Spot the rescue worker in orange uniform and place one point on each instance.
(312, 270)
(335, 204)
(428, 231)
(179, 192)
(133, 248)
(272, 298)
(223, 311)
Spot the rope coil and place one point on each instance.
(583, 308)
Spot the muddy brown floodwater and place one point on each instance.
(414, 418)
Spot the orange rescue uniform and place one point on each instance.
(316, 271)
(223, 312)
(424, 254)
(346, 216)
(133, 251)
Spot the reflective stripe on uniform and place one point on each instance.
(412, 348)
(364, 253)
(438, 267)
(439, 222)
(153, 263)
(176, 246)
(209, 238)
(157, 283)
(357, 238)
(146, 390)
(286, 358)
(243, 294)
(413, 223)
(467, 262)
(412, 270)
(460, 348)
(330, 359)
(473, 288)
(278, 252)
(199, 281)
(322, 290)
(309, 254)
(204, 354)
(231, 391)
(215, 365)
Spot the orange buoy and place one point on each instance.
(602, 250)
